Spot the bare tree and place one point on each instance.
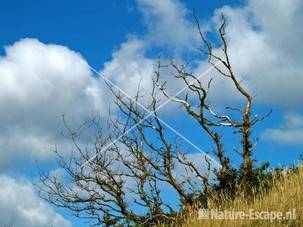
(208, 118)
(124, 182)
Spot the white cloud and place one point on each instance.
(129, 68)
(39, 83)
(290, 132)
(167, 23)
(265, 52)
(19, 206)
(264, 41)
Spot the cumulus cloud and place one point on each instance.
(290, 132)
(129, 68)
(39, 83)
(19, 206)
(265, 51)
(167, 23)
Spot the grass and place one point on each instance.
(286, 196)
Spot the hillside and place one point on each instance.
(285, 199)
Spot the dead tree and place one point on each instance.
(209, 119)
(121, 174)
(128, 177)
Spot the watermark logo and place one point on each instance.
(251, 214)
(203, 214)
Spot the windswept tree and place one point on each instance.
(122, 173)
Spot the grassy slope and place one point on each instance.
(287, 194)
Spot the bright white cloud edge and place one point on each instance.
(20, 206)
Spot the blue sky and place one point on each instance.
(46, 47)
(92, 28)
